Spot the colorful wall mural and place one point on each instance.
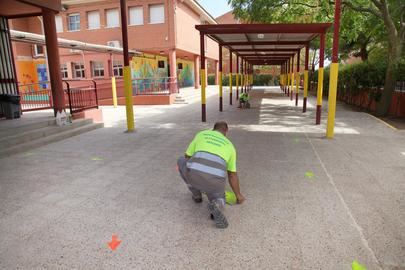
(148, 72)
(147, 66)
(31, 72)
(185, 76)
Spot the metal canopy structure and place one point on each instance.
(265, 44)
(263, 39)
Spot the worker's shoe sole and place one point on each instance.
(219, 218)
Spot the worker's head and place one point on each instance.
(221, 127)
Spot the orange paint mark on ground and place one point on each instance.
(114, 242)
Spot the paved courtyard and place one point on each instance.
(312, 203)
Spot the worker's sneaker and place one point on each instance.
(197, 199)
(218, 216)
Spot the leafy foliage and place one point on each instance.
(366, 25)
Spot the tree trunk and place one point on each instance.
(394, 53)
(363, 52)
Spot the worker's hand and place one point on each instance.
(240, 198)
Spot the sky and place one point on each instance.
(215, 7)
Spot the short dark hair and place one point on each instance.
(223, 126)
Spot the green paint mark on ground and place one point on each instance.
(357, 266)
(309, 174)
(296, 140)
(96, 158)
(28, 154)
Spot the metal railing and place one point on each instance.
(82, 97)
(35, 96)
(155, 86)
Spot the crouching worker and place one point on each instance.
(209, 158)
(244, 101)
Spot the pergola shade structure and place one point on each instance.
(265, 44)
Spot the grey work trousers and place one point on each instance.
(197, 181)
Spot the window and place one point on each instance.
(117, 68)
(38, 50)
(112, 18)
(97, 69)
(156, 14)
(93, 20)
(59, 24)
(180, 66)
(135, 15)
(74, 22)
(78, 70)
(161, 64)
(63, 69)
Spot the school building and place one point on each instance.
(162, 30)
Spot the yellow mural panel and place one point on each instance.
(28, 72)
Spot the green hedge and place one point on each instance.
(258, 80)
(361, 78)
(355, 78)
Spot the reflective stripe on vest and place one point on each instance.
(206, 169)
(210, 157)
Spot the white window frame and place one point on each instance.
(133, 20)
(107, 21)
(36, 53)
(81, 70)
(97, 25)
(97, 69)
(59, 24)
(76, 22)
(118, 68)
(150, 14)
(64, 71)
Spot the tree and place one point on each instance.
(363, 22)
(392, 14)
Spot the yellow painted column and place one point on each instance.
(220, 84)
(114, 91)
(334, 71)
(220, 90)
(319, 96)
(241, 81)
(237, 85)
(320, 87)
(128, 99)
(304, 101)
(292, 85)
(203, 98)
(305, 83)
(230, 88)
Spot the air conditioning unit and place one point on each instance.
(114, 43)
